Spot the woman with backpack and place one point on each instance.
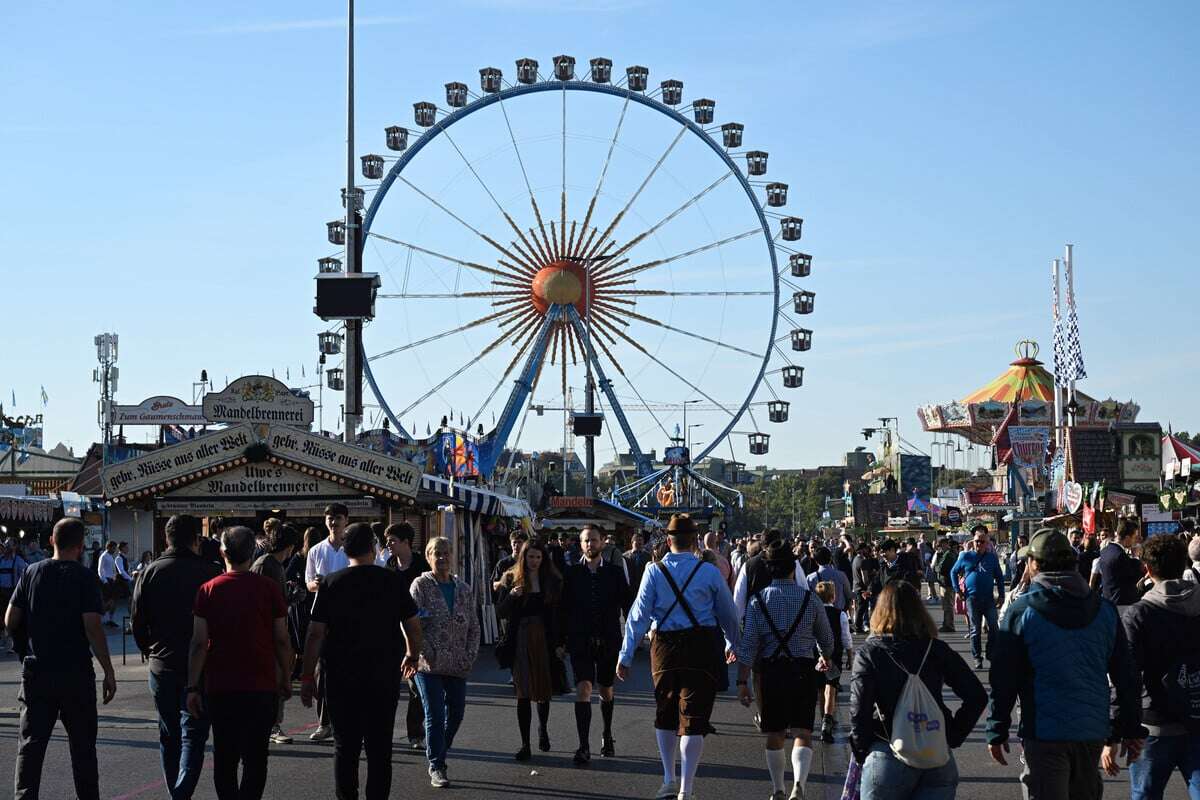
(901, 731)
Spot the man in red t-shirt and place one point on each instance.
(240, 644)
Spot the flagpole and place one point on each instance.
(1056, 349)
(1070, 268)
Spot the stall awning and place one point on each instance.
(476, 499)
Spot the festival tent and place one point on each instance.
(1175, 451)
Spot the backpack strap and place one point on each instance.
(923, 659)
(783, 639)
(679, 600)
(1195, 574)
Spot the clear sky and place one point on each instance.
(168, 169)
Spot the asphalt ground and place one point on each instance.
(481, 763)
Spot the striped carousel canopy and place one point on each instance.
(1025, 379)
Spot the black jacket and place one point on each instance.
(161, 610)
(1119, 575)
(1162, 627)
(877, 681)
(907, 568)
(863, 569)
(592, 607)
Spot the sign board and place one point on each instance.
(345, 460)
(258, 399)
(1074, 496)
(177, 460)
(1029, 445)
(571, 502)
(159, 410)
(259, 480)
(225, 507)
(1151, 513)
(953, 516)
(676, 457)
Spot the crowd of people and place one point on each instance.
(1095, 638)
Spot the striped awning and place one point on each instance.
(474, 498)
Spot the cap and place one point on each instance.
(1047, 543)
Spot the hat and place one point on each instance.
(1047, 543)
(777, 550)
(681, 523)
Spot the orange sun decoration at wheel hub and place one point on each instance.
(561, 282)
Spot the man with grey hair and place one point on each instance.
(240, 644)
(1192, 573)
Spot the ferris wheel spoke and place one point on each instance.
(636, 240)
(629, 204)
(473, 324)
(458, 219)
(464, 368)
(461, 262)
(504, 212)
(606, 388)
(527, 334)
(451, 295)
(651, 321)
(662, 364)
(678, 257)
(544, 252)
(665, 293)
(612, 145)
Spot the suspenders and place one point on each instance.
(781, 650)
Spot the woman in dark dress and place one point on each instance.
(528, 600)
(298, 611)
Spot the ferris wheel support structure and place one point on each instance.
(491, 446)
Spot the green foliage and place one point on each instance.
(788, 502)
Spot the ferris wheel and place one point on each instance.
(565, 232)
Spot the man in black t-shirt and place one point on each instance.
(55, 610)
(408, 564)
(364, 626)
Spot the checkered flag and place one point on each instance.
(1072, 366)
(1059, 344)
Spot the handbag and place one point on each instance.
(506, 647)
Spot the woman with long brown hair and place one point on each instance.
(903, 642)
(532, 647)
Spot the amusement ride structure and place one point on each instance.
(563, 248)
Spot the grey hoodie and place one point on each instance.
(1162, 626)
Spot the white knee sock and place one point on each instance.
(801, 763)
(692, 747)
(777, 766)
(668, 746)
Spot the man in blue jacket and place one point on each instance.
(979, 569)
(1058, 647)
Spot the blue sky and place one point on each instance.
(169, 168)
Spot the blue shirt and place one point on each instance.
(448, 594)
(707, 595)
(982, 573)
(839, 580)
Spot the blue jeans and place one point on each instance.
(885, 777)
(181, 737)
(445, 700)
(1150, 774)
(981, 608)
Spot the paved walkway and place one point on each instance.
(481, 764)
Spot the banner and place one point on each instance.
(1029, 445)
(257, 398)
(175, 461)
(345, 460)
(158, 410)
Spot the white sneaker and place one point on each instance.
(438, 779)
(797, 793)
(279, 737)
(668, 791)
(321, 734)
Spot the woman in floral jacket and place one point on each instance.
(450, 644)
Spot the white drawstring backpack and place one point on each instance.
(918, 725)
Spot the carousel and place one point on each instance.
(1026, 388)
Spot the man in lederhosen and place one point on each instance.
(784, 622)
(691, 605)
(594, 595)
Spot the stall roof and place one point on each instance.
(594, 506)
(475, 498)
